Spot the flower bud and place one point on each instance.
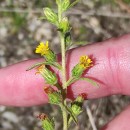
(76, 106)
(47, 124)
(65, 5)
(51, 16)
(64, 25)
(54, 96)
(58, 2)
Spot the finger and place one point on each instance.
(111, 69)
(120, 122)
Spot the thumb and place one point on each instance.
(111, 69)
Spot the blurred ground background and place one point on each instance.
(21, 31)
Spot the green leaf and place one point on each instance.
(74, 79)
(72, 116)
(70, 81)
(81, 43)
(94, 83)
(74, 3)
(42, 18)
(36, 65)
(55, 64)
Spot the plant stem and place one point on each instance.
(65, 125)
(63, 61)
(64, 113)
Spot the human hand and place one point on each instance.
(112, 69)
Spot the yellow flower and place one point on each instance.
(85, 62)
(42, 49)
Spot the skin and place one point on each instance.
(19, 87)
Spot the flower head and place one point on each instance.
(39, 69)
(42, 49)
(48, 75)
(77, 104)
(53, 95)
(85, 62)
(47, 123)
(42, 116)
(45, 51)
(49, 90)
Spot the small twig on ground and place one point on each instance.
(89, 113)
(123, 5)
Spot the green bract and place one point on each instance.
(50, 57)
(50, 77)
(64, 25)
(76, 106)
(48, 124)
(50, 15)
(77, 71)
(55, 98)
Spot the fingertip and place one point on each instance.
(120, 122)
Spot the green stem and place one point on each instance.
(65, 123)
(62, 49)
(65, 127)
(64, 112)
(63, 61)
(70, 81)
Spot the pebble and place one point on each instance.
(20, 36)
(44, 32)
(3, 62)
(23, 128)
(3, 32)
(2, 108)
(20, 51)
(10, 116)
(7, 125)
(2, 52)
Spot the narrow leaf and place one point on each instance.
(42, 18)
(74, 3)
(36, 65)
(57, 65)
(71, 114)
(94, 83)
